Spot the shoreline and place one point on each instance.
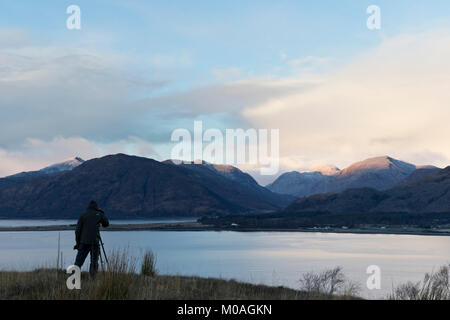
(197, 227)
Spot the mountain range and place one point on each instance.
(135, 187)
(380, 173)
(420, 201)
(427, 194)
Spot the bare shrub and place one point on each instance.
(329, 282)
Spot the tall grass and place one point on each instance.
(117, 281)
(148, 266)
(434, 286)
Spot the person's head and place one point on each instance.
(93, 205)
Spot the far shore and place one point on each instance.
(195, 226)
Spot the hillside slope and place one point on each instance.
(135, 187)
(430, 194)
(380, 173)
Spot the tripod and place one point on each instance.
(104, 252)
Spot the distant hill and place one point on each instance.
(225, 177)
(380, 173)
(27, 176)
(419, 173)
(66, 165)
(302, 184)
(136, 187)
(427, 194)
(423, 203)
(225, 171)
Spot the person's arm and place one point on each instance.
(78, 230)
(103, 220)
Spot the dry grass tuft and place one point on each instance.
(148, 266)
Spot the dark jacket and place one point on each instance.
(88, 225)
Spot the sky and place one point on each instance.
(137, 70)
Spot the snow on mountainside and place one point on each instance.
(226, 171)
(379, 163)
(300, 184)
(326, 170)
(66, 165)
(316, 180)
(380, 173)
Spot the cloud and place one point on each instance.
(35, 154)
(230, 98)
(49, 91)
(393, 100)
(12, 38)
(227, 74)
(60, 101)
(309, 63)
(181, 60)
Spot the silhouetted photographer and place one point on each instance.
(87, 236)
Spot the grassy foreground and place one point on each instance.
(122, 282)
(46, 284)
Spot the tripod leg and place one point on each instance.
(101, 259)
(104, 253)
(103, 249)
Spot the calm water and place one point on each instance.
(46, 222)
(272, 258)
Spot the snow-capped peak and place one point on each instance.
(326, 169)
(65, 165)
(380, 163)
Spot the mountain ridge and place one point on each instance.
(429, 194)
(134, 187)
(380, 173)
(65, 165)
